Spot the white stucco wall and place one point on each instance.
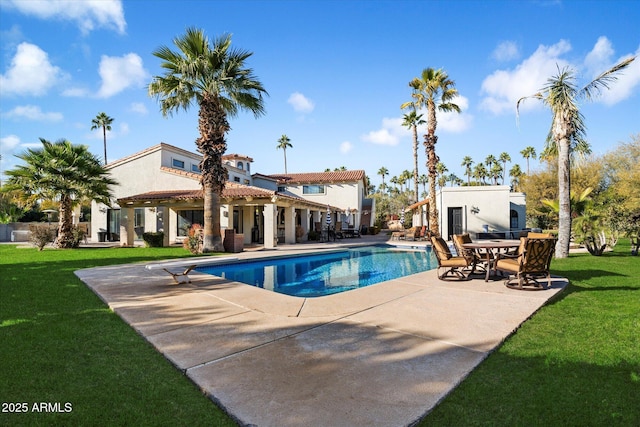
(483, 205)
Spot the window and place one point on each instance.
(195, 168)
(247, 182)
(313, 189)
(236, 179)
(240, 165)
(138, 222)
(282, 189)
(514, 219)
(177, 163)
(187, 218)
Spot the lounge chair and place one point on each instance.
(533, 261)
(454, 266)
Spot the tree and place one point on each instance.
(467, 161)
(504, 158)
(424, 180)
(435, 91)
(214, 77)
(515, 173)
(480, 173)
(496, 172)
(284, 143)
(412, 121)
(102, 121)
(382, 172)
(561, 95)
(64, 172)
(528, 153)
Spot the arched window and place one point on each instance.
(515, 224)
(240, 165)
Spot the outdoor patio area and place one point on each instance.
(376, 356)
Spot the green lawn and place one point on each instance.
(576, 362)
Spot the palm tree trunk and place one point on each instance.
(65, 223)
(284, 150)
(432, 161)
(104, 139)
(564, 198)
(415, 163)
(213, 126)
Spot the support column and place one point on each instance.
(169, 228)
(289, 225)
(270, 226)
(304, 221)
(126, 226)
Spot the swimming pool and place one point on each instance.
(327, 273)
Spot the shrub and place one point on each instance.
(193, 242)
(313, 235)
(41, 235)
(153, 240)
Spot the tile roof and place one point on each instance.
(231, 191)
(319, 177)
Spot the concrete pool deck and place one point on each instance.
(382, 355)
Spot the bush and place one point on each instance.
(313, 235)
(41, 235)
(153, 240)
(193, 242)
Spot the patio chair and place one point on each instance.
(479, 259)
(454, 266)
(533, 261)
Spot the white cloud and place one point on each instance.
(30, 72)
(450, 121)
(32, 112)
(138, 107)
(301, 103)
(600, 56)
(9, 143)
(503, 88)
(506, 51)
(628, 80)
(390, 134)
(346, 147)
(87, 14)
(119, 73)
(75, 92)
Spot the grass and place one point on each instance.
(61, 344)
(576, 362)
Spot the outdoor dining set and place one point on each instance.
(520, 262)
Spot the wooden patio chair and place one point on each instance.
(533, 261)
(454, 266)
(480, 260)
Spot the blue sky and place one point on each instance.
(336, 73)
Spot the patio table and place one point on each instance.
(491, 248)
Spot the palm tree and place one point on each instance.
(382, 172)
(496, 172)
(102, 121)
(433, 90)
(60, 171)
(480, 173)
(561, 95)
(394, 180)
(216, 79)
(504, 158)
(515, 173)
(528, 153)
(412, 121)
(467, 161)
(424, 180)
(284, 143)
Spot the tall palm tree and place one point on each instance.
(284, 143)
(412, 120)
(467, 161)
(424, 180)
(561, 95)
(528, 153)
(214, 77)
(504, 158)
(515, 173)
(64, 172)
(435, 91)
(382, 172)
(102, 121)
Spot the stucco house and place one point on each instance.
(159, 190)
(475, 209)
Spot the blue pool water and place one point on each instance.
(329, 273)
